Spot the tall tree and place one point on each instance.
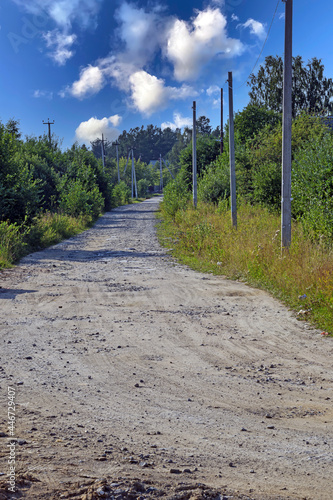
(311, 92)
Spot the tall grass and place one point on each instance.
(301, 277)
(45, 230)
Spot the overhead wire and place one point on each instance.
(262, 49)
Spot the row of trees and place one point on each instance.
(258, 150)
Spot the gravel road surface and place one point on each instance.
(136, 377)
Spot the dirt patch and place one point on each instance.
(130, 369)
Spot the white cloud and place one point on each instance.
(140, 31)
(91, 81)
(179, 121)
(150, 94)
(213, 89)
(256, 28)
(234, 17)
(60, 44)
(93, 129)
(191, 46)
(115, 120)
(65, 14)
(46, 94)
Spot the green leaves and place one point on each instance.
(311, 91)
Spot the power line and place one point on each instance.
(262, 49)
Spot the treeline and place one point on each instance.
(151, 142)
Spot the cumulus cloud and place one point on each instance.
(234, 17)
(146, 34)
(150, 94)
(60, 45)
(140, 32)
(179, 121)
(91, 81)
(66, 15)
(213, 89)
(191, 46)
(256, 28)
(93, 129)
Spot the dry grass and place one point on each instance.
(301, 277)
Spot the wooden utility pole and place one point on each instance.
(221, 145)
(194, 155)
(49, 125)
(232, 154)
(117, 152)
(286, 129)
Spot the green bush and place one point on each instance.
(76, 200)
(121, 194)
(12, 243)
(312, 188)
(214, 184)
(176, 198)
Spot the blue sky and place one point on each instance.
(104, 66)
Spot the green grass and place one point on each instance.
(48, 229)
(302, 278)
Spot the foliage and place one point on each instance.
(214, 184)
(176, 198)
(11, 243)
(311, 91)
(252, 119)
(121, 194)
(258, 163)
(312, 187)
(207, 151)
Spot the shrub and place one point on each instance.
(176, 197)
(312, 188)
(11, 243)
(121, 194)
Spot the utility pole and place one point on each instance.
(232, 154)
(103, 152)
(221, 145)
(117, 152)
(194, 155)
(286, 128)
(49, 125)
(134, 177)
(161, 174)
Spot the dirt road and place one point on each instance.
(136, 377)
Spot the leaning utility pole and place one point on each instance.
(232, 153)
(221, 145)
(194, 155)
(49, 125)
(117, 152)
(286, 129)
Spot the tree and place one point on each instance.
(203, 126)
(252, 119)
(311, 91)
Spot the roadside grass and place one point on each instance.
(302, 278)
(45, 230)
